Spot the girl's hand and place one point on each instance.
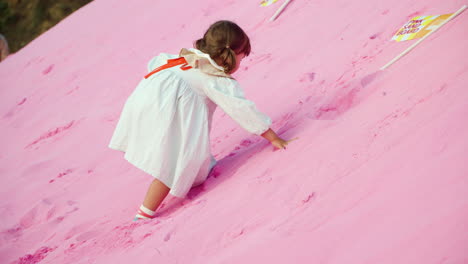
(276, 141)
(279, 143)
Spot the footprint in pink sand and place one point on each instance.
(48, 69)
(76, 88)
(232, 234)
(246, 142)
(242, 145)
(51, 134)
(308, 199)
(309, 77)
(11, 234)
(119, 238)
(15, 109)
(36, 257)
(374, 36)
(127, 235)
(167, 237)
(62, 174)
(22, 101)
(47, 211)
(351, 94)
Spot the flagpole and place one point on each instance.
(279, 10)
(423, 38)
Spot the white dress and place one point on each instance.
(165, 123)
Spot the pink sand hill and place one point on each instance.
(379, 173)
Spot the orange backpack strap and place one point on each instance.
(171, 63)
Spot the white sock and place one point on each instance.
(145, 213)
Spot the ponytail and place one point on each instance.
(228, 59)
(222, 41)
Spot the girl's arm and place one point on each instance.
(276, 141)
(228, 95)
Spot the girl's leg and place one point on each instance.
(157, 191)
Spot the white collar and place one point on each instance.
(202, 61)
(207, 56)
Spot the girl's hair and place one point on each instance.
(222, 41)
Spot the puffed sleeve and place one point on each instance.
(228, 95)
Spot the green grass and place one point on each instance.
(21, 21)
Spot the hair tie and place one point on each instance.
(227, 47)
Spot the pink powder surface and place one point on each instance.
(379, 173)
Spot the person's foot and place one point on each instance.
(144, 213)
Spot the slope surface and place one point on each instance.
(378, 174)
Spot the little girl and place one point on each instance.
(165, 123)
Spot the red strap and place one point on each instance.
(171, 63)
(140, 212)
